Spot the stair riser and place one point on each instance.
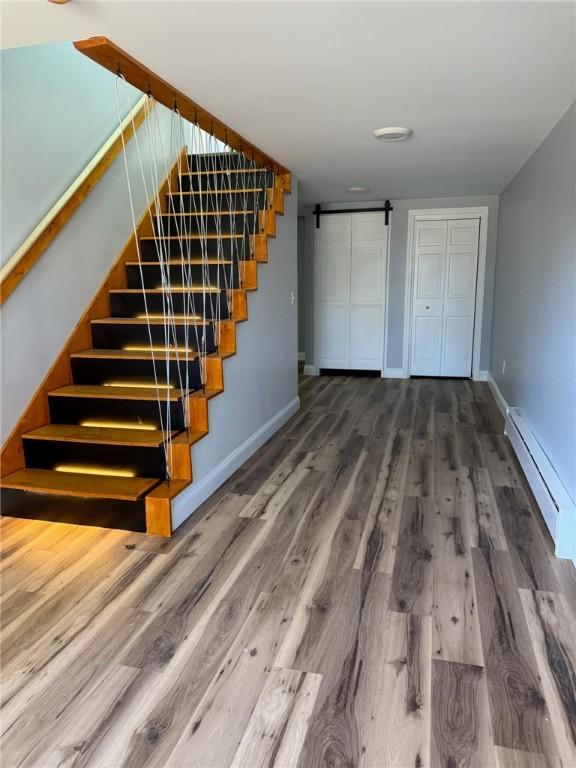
(218, 201)
(226, 275)
(239, 248)
(216, 182)
(74, 410)
(218, 160)
(97, 371)
(189, 225)
(132, 304)
(111, 336)
(48, 454)
(107, 513)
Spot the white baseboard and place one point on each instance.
(301, 357)
(498, 396)
(310, 370)
(196, 493)
(482, 376)
(393, 373)
(556, 506)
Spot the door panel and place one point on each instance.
(334, 273)
(367, 268)
(333, 336)
(350, 274)
(365, 348)
(430, 273)
(334, 230)
(444, 296)
(368, 227)
(428, 300)
(460, 297)
(426, 337)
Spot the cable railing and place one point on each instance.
(204, 229)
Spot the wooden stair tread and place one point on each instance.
(202, 213)
(99, 435)
(177, 262)
(146, 321)
(129, 354)
(234, 191)
(209, 236)
(191, 289)
(84, 486)
(224, 170)
(207, 393)
(115, 393)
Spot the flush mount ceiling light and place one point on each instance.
(392, 133)
(357, 189)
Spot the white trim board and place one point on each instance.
(311, 370)
(301, 357)
(555, 504)
(498, 396)
(196, 493)
(393, 373)
(435, 214)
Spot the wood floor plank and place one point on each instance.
(456, 631)
(476, 506)
(514, 758)
(445, 462)
(520, 717)
(497, 458)
(397, 732)
(531, 558)
(279, 722)
(412, 575)
(383, 519)
(553, 631)
(126, 651)
(216, 726)
(461, 733)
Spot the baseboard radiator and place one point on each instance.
(558, 509)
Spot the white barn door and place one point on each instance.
(350, 281)
(369, 241)
(444, 297)
(333, 259)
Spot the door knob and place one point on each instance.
(427, 306)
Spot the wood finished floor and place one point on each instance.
(373, 588)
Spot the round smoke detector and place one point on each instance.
(392, 133)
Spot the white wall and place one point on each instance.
(397, 270)
(261, 380)
(40, 315)
(534, 330)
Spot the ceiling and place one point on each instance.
(480, 83)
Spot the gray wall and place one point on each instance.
(58, 108)
(261, 380)
(397, 270)
(534, 328)
(301, 284)
(40, 315)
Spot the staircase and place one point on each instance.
(101, 459)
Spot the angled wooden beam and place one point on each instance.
(108, 55)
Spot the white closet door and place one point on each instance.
(444, 296)
(333, 291)
(428, 298)
(369, 241)
(460, 297)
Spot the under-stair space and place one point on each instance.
(103, 457)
